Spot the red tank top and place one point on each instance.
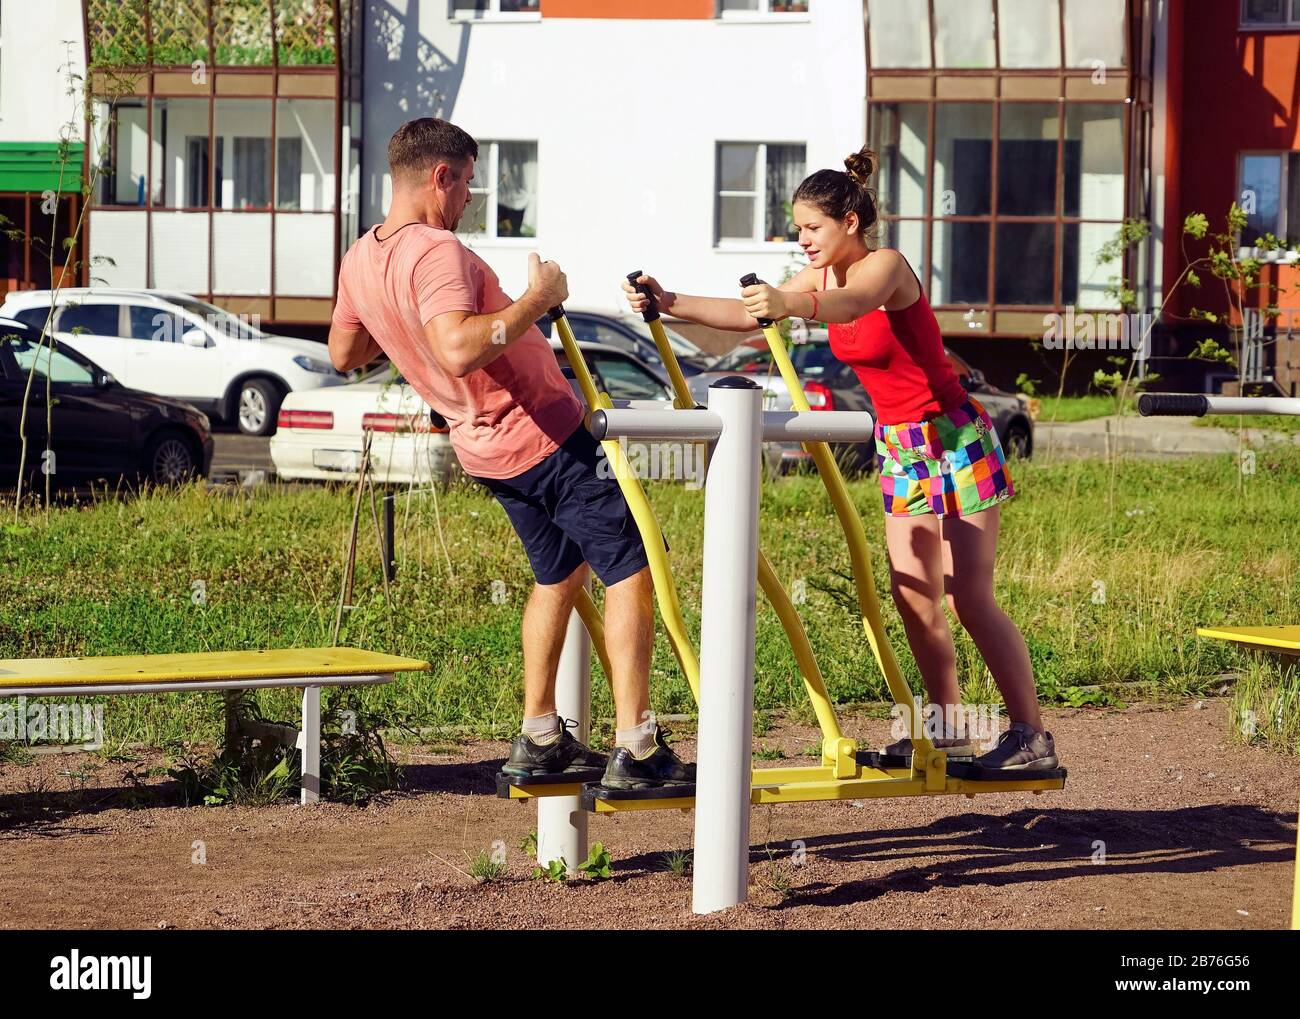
(898, 357)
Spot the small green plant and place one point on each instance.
(13, 752)
(556, 870)
(777, 879)
(1027, 385)
(483, 867)
(528, 844)
(597, 864)
(768, 754)
(676, 862)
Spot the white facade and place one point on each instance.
(627, 115)
(39, 42)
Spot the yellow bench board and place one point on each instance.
(1282, 639)
(203, 665)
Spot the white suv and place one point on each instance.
(174, 345)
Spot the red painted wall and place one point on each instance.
(1230, 91)
(629, 8)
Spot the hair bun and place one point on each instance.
(861, 165)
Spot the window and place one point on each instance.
(625, 380)
(587, 330)
(963, 33)
(755, 183)
(288, 173)
(93, 319)
(252, 168)
(54, 364)
(1094, 33)
(461, 9)
(1270, 13)
(121, 147)
(242, 130)
(1270, 196)
(739, 8)
(1028, 35)
(900, 33)
(34, 317)
(503, 192)
(197, 171)
(154, 324)
(1058, 197)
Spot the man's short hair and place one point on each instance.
(419, 145)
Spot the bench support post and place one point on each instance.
(561, 821)
(310, 744)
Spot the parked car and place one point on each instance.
(174, 345)
(101, 431)
(631, 335)
(321, 433)
(830, 384)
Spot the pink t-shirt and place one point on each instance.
(505, 417)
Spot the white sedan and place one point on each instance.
(177, 346)
(321, 432)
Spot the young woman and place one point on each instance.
(942, 469)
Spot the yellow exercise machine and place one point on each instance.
(844, 772)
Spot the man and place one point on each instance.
(409, 289)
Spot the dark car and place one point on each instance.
(830, 384)
(632, 336)
(101, 430)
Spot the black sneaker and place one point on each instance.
(1021, 748)
(563, 754)
(661, 767)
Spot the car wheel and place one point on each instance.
(258, 405)
(1019, 442)
(169, 459)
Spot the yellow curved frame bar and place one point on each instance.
(835, 749)
(651, 536)
(855, 534)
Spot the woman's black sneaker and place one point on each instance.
(660, 767)
(563, 754)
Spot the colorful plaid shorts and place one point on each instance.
(951, 465)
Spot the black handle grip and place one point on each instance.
(556, 313)
(652, 309)
(1173, 405)
(751, 279)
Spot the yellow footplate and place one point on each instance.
(812, 784)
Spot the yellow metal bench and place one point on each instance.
(309, 668)
(1284, 640)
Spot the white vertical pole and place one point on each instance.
(310, 744)
(727, 649)
(561, 821)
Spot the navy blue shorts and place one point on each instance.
(566, 514)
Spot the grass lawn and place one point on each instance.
(1287, 423)
(1105, 592)
(1079, 408)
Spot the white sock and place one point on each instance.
(542, 729)
(640, 739)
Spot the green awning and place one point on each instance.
(34, 166)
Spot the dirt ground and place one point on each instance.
(1198, 832)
